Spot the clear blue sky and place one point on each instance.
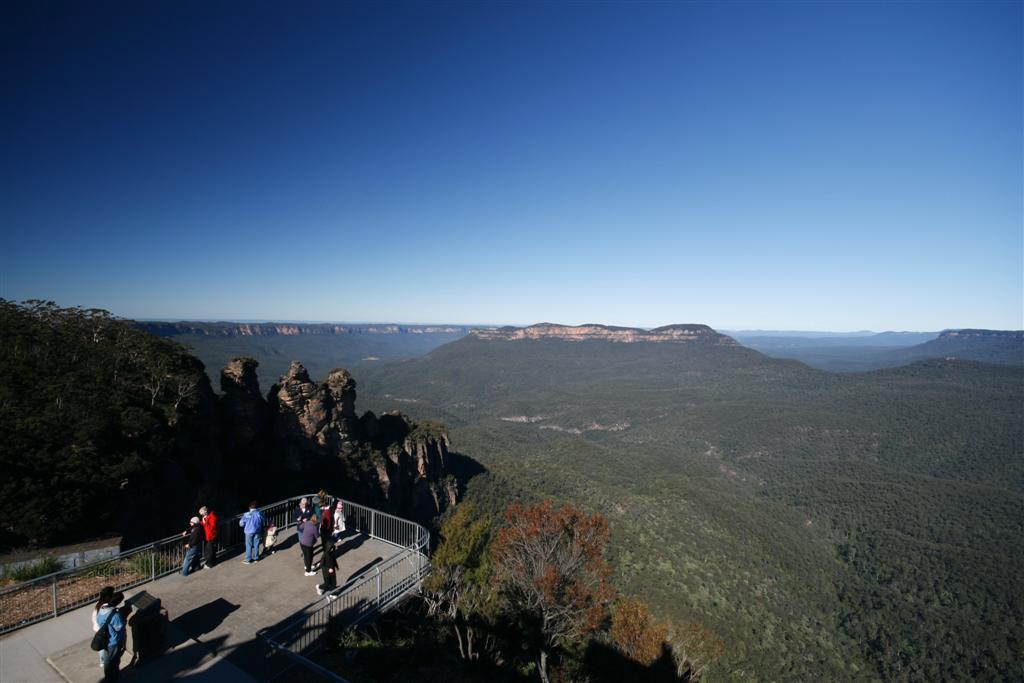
(745, 165)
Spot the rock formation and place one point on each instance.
(243, 410)
(395, 463)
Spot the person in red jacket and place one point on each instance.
(210, 520)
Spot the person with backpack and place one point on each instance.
(192, 546)
(110, 637)
(209, 521)
(105, 595)
(252, 524)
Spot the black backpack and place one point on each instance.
(101, 640)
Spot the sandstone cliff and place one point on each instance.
(680, 334)
(269, 329)
(388, 461)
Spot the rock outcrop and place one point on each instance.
(400, 465)
(680, 334)
(243, 409)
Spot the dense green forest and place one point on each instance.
(93, 413)
(825, 526)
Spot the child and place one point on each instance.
(268, 545)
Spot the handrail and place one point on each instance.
(48, 596)
(373, 591)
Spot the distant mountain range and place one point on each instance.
(890, 349)
(273, 329)
(324, 346)
(320, 347)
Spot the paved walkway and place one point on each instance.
(214, 615)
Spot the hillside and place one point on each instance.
(827, 526)
(986, 346)
(320, 347)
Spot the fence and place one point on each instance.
(373, 591)
(51, 595)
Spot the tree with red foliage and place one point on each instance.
(550, 567)
(636, 633)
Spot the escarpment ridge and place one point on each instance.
(677, 333)
(283, 329)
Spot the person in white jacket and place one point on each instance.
(339, 520)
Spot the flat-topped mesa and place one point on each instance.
(1005, 335)
(678, 333)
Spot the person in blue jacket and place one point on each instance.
(111, 617)
(252, 524)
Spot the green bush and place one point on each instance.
(47, 565)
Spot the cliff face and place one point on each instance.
(243, 410)
(680, 334)
(1000, 335)
(386, 461)
(269, 329)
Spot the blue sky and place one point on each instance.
(745, 165)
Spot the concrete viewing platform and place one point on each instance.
(214, 617)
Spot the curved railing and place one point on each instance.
(374, 590)
(48, 596)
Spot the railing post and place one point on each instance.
(378, 587)
(54, 593)
(152, 563)
(373, 519)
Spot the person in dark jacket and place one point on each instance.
(326, 528)
(209, 522)
(329, 567)
(308, 532)
(192, 545)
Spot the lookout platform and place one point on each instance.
(214, 615)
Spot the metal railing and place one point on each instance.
(48, 596)
(371, 592)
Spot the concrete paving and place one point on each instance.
(214, 616)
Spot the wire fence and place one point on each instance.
(49, 596)
(371, 592)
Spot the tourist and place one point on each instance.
(326, 527)
(339, 521)
(110, 617)
(105, 595)
(329, 567)
(308, 531)
(304, 512)
(192, 546)
(209, 521)
(268, 544)
(320, 501)
(252, 524)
